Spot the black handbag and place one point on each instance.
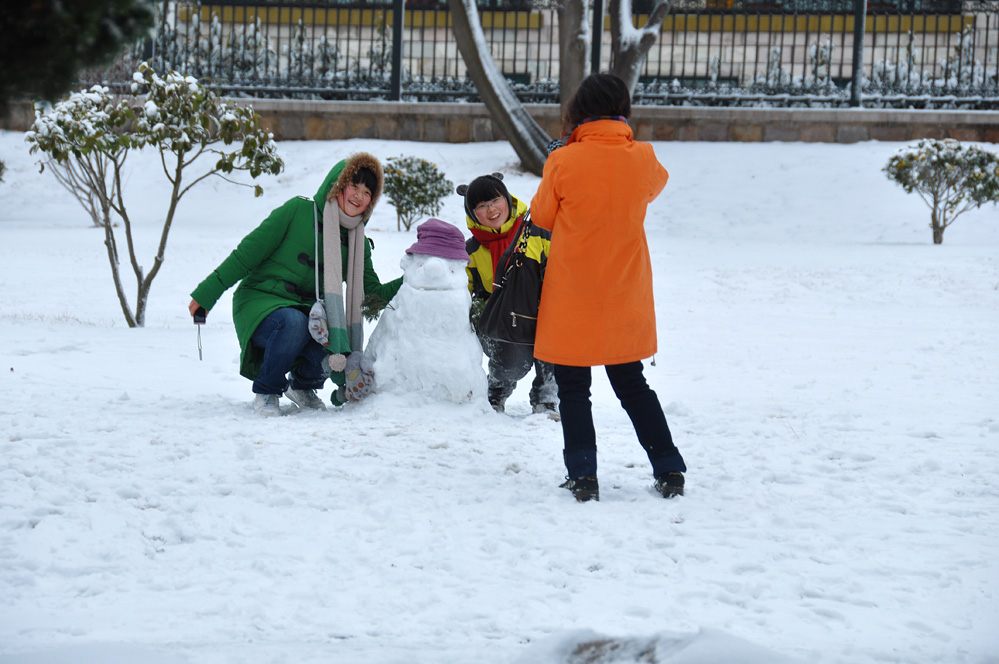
(511, 312)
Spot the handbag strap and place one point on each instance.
(518, 240)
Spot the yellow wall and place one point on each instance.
(366, 17)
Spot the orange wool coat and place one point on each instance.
(597, 306)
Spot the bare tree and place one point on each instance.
(528, 139)
(88, 136)
(574, 45)
(630, 45)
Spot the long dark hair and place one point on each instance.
(598, 95)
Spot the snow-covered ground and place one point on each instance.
(828, 373)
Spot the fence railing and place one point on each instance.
(913, 53)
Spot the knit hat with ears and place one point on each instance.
(484, 188)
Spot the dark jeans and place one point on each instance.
(508, 363)
(284, 337)
(638, 400)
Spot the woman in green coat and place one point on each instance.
(275, 265)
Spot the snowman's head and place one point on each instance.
(437, 260)
(426, 272)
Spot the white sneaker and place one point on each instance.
(268, 405)
(305, 399)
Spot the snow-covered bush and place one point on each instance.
(958, 73)
(950, 178)
(899, 75)
(380, 52)
(325, 58)
(208, 51)
(961, 69)
(714, 69)
(88, 137)
(311, 59)
(775, 76)
(415, 187)
(3, 168)
(820, 58)
(249, 52)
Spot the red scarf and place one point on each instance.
(497, 242)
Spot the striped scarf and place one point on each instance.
(343, 310)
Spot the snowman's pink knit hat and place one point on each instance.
(439, 238)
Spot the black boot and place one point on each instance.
(583, 488)
(669, 485)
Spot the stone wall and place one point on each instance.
(465, 123)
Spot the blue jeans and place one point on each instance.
(638, 400)
(284, 337)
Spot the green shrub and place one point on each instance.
(415, 188)
(950, 178)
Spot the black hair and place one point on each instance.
(484, 188)
(366, 177)
(598, 95)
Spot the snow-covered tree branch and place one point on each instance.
(88, 137)
(528, 139)
(630, 45)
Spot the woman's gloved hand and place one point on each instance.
(360, 376)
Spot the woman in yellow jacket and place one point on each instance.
(596, 304)
(494, 218)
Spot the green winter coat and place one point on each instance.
(275, 263)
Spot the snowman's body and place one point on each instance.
(423, 342)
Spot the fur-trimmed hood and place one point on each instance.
(341, 175)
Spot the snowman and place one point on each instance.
(423, 342)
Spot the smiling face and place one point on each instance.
(354, 199)
(492, 213)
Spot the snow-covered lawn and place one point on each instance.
(828, 374)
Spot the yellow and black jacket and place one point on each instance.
(480, 262)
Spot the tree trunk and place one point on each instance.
(574, 47)
(938, 229)
(146, 283)
(937, 219)
(528, 139)
(112, 247)
(630, 45)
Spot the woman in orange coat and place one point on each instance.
(596, 305)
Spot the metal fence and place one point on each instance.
(913, 53)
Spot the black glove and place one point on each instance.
(555, 145)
